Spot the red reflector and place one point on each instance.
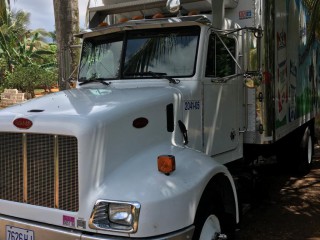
(22, 123)
(140, 122)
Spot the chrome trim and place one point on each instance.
(25, 167)
(100, 213)
(44, 231)
(56, 171)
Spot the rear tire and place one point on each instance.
(295, 152)
(306, 150)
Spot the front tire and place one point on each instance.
(211, 221)
(211, 228)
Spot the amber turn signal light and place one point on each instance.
(166, 164)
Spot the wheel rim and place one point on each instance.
(211, 228)
(309, 150)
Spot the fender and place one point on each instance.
(161, 195)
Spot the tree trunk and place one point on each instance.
(67, 24)
(4, 11)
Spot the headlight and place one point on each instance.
(115, 216)
(120, 214)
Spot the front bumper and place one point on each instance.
(49, 232)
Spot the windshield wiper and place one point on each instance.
(99, 80)
(158, 75)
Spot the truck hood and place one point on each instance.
(80, 109)
(85, 101)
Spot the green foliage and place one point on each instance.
(26, 60)
(4, 11)
(22, 52)
(27, 78)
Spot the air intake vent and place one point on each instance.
(39, 169)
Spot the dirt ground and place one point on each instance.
(286, 207)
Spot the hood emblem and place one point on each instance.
(22, 123)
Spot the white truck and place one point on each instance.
(170, 95)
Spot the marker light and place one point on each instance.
(123, 20)
(103, 24)
(166, 164)
(138, 17)
(158, 15)
(193, 12)
(140, 122)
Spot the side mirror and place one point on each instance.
(173, 6)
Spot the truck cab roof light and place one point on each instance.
(158, 15)
(139, 17)
(123, 20)
(193, 12)
(103, 24)
(166, 164)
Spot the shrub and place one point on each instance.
(26, 79)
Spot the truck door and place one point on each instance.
(222, 96)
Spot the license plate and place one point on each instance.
(14, 233)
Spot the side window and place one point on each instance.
(219, 62)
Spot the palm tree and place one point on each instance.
(22, 50)
(13, 31)
(18, 45)
(67, 23)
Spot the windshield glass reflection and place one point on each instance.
(170, 52)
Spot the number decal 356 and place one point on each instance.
(191, 105)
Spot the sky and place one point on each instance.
(41, 11)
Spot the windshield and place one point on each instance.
(101, 57)
(136, 54)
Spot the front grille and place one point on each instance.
(39, 169)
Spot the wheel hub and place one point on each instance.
(211, 230)
(220, 236)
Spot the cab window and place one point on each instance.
(219, 61)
